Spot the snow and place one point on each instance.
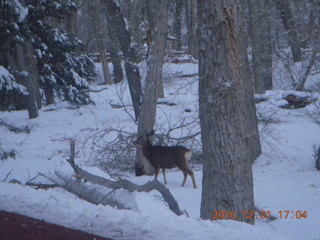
(8, 83)
(284, 175)
(22, 11)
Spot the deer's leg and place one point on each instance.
(184, 178)
(193, 179)
(164, 175)
(186, 171)
(156, 169)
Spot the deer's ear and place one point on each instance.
(151, 133)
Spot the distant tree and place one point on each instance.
(64, 68)
(116, 20)
(261, 43)
(227, 112)
(177, 23)
(17, 53)
(61, 68)
(191, 26)
(94, 10)
(285, 13)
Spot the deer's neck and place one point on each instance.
(146, 150)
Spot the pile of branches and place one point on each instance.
(112, 149)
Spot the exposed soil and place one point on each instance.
(17, 227)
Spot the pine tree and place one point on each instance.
(12, 31)
(63, 69)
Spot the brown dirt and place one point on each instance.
(17, 227)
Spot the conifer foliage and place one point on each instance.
(63, 68)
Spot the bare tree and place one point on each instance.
(283, 7)
(116, 20)
(99, 40)
(191, 23)
(261, 42)
(151, 11)
(154, 74)
(227, 112)
(177, 23)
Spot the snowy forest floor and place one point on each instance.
(285, 178)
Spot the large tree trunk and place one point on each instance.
(260, 35)
(226, 111)
(155, 61)
(283, 7)
(116, 21)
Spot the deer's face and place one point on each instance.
(140, 141)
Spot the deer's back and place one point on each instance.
(168, 157)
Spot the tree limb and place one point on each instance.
(123, 183)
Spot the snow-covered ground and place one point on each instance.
(284, 175)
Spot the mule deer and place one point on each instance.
(166, 157)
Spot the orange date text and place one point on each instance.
(283, 214)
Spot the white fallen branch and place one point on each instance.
(123, 183)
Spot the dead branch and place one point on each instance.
(7, 175)
(99, 90)
(123, 183)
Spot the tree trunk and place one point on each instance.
(226, 109)
(116, 21)
(72, 21)
(28, 75)
(261, 45)
(177, 24)
(99, 41)
(191, 24)
(114, 54)
(155, 61)
(49, 94)
(151, 12)
(283, 7)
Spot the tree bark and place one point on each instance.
(99, 41)
(114, 54)
(177, 24)
(283, 7)
(151, 12)
(155, 61)
(72, 21)
(260, 35)
(32, 82)
(226, 111)
(25, 70)
(190, 12)
(116, 21)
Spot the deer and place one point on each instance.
(166, 157)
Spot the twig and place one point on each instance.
(7, 175)
(96, 91)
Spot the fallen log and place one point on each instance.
(123, 183)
